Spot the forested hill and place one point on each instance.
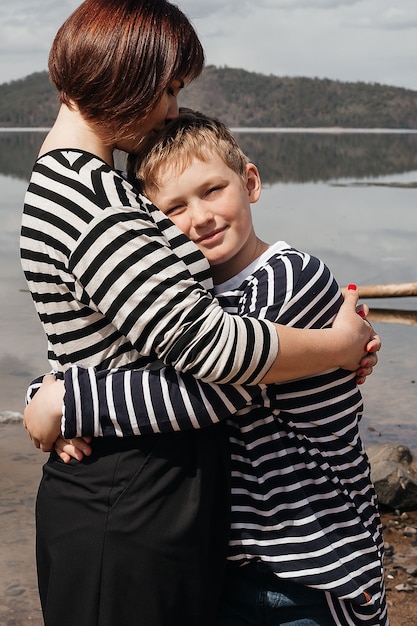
(245, 99)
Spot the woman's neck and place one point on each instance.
(70, 130)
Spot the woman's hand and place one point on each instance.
(367, 365)
(372, 341)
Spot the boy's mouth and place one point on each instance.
(212, 236)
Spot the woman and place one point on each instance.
(137, 533)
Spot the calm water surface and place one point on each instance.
(351, 200)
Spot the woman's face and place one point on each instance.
(165, 110)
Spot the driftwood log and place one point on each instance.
(390, 290)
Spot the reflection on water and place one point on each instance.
(18, 152)
(349, 199)
(393, 316)
(287, 157)
(321, 157)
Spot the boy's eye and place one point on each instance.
(214, 189)
(174, 210)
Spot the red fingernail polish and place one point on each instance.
(352, 287)
(362, 313)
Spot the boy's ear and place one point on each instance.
(253, 182)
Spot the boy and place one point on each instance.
(303, 507)
(305, 545)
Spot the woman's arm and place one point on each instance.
(152, 299)
(190, 331)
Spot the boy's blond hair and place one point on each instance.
(190, 135)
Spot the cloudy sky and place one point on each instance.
(348, 40)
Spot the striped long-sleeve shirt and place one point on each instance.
(302, 498)
(116, 284)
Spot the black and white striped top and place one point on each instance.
(302, 498)
(116, 284)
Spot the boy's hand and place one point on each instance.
(76, 448)
(42, 419)
(42, 416)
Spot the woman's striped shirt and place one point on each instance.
(302, 498)
(116, 284)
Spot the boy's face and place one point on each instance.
(210, 203)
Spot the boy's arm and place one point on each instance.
(210, 404)
(125, 403)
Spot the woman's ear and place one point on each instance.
(253, 182)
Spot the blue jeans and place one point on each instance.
(255, 596)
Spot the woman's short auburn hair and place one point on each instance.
(114, 59)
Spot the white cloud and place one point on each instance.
(398, 19)
(368, 40)
(26, 33)
(389, 18)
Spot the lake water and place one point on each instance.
(349, 198)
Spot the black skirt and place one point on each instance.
(136, 534)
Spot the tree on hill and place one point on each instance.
(245, 99)
(30, 102)
(242, 98)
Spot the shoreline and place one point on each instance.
(20, 471)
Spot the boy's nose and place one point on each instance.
(202, 215)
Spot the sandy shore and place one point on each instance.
(20, 471)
